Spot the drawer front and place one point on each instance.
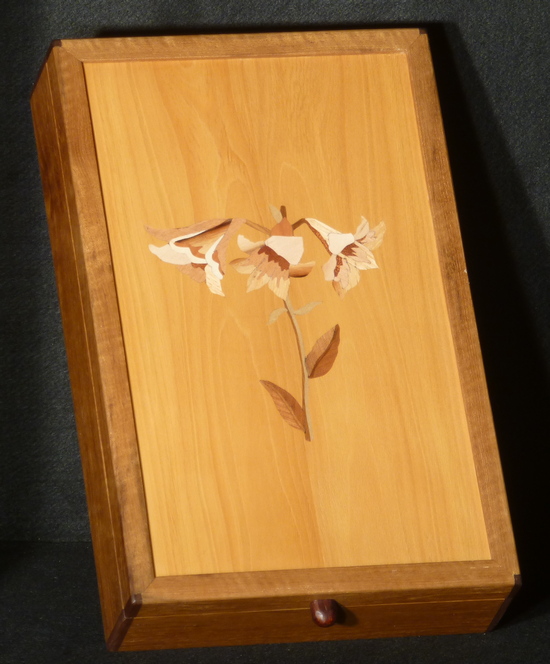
(361, 622)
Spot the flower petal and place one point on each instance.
(301, 270)
(211, 256)
(291, 248)
(247, 245)
(370, 238)
(339, 241)
(276, 213)
(362, 229)
(346, 277)
(167, 234)
(196, 272)
(213, 281)
(243, 265)
(329, 268)
(339, 289)
(360, 256)
(167, 254)
(266, 266)
(284, 227)
(197, 241)
(320, 227)
(256, 280)
(280, 286)
(233, 227)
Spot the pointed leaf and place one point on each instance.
(306, 308)
(324, 352)
(274, 315)
(290, 410)
(277, 215)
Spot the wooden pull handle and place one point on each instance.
(324, 612)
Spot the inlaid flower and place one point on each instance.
(349, 252)
(199, 250)
(273, 261)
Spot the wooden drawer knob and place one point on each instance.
(324, 612)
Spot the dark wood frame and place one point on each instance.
(141, 610)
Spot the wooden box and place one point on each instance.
(278, 385)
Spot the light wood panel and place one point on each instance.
(229, 486)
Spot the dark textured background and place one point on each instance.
(492, 62)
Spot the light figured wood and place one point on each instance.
(230, 486)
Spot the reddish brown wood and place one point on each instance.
(293, 589)
(515, 590)
(358, 622)
(106, 540)
(130, 611)
(324, 612)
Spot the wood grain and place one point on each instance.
(92, 331)
(230, 487)
(376, 584)
(124, 622)
(253, 45)
(460, 307)
(376, 621)
(105, 535)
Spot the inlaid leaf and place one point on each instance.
(306, 308)
(324, 352)
(275, 314)
(277, 214)
(290, 410)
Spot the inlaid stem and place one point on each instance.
(258, 227)
(305, 376)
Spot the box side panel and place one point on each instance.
(252, 45)
(460, 307)
(355, 622)
(111, 585)
(114, 403)
(94, 346)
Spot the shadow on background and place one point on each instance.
(41, 489)
(489, 204)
